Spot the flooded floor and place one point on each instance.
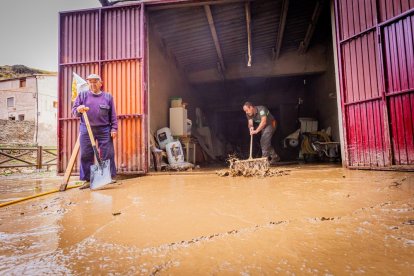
(314, 220)
(15, 187)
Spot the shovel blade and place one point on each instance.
(101, 175)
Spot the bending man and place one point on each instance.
(267, 125)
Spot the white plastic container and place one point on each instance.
(164, 137)
(178, 121)
(174, 153)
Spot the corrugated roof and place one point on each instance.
(185, 31)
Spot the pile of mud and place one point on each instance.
(250, 168)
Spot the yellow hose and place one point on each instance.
(34, 196)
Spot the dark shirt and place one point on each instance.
(262, 111)
(101, 109)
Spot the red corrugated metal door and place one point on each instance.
(110, 42)
(376, 71)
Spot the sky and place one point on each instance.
(29, 31)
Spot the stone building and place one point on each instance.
(32, 99)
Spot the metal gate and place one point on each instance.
(376, 71)
(111, 42)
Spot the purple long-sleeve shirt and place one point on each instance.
(101, 109)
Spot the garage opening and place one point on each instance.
(215, 57)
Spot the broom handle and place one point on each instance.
(251, 146)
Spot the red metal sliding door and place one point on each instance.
(110, 42)
(376, 68)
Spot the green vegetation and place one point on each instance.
(18, 70)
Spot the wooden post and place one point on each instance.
(39, 158)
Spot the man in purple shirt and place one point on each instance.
(102, 117)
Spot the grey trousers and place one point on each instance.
(266, 142)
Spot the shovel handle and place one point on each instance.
(88, 127)
(251, 146)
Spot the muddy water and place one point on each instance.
(315, 220)
(19, 186)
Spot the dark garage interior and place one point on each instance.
(216, 56)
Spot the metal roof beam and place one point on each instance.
(214, 34)
(215, 38)
(160, 6)
(304, 44)
(249, 34)
(282, 25)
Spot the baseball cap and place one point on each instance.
(93, 77)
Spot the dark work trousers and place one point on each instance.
(266, 141)
(106, 150)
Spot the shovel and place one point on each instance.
(100, 173)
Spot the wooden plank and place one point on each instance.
(69, 168)
(16, 158)
(9, 159)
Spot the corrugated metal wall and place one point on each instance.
(107, 41)
(376, 68)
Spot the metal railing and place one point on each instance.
(15, 157)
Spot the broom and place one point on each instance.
(251, 166)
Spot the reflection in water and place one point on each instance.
(13, 188)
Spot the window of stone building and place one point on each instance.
(21, 117)
(10, 102)
(23, 83)
(12, 118)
